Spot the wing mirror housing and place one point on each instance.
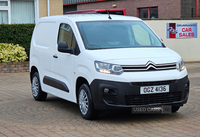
(63, 47)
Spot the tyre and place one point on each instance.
(85, 103)
(37, 92)
(175, 108)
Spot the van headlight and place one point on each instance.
(108, 68)
(180, 65)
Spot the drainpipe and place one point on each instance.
(197, 8)
(48, 8)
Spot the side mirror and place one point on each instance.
(63, 47)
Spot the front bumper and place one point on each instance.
(125, 95)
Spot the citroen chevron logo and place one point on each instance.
(150, 65)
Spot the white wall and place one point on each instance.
(188, 48)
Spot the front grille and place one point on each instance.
(154, 83)
(152, 98)
(111, 99)
(150, 66)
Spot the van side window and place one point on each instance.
(66, 34)
(75, 45)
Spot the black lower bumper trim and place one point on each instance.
(114, 95)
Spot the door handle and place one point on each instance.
(55, 56)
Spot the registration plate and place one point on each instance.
(154, 89)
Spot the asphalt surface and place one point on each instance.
(22, 116)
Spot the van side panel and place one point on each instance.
(42, 49)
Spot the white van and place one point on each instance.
(105, 62)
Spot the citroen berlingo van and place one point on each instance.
(103, 62)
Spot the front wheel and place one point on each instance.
(85, 103)
(37, 92)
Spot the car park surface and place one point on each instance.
(21, 115)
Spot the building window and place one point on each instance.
(3, 17)
(22, 12)
(17, 11)
(147, 13)
(3, 3)
(4, 12)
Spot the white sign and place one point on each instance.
(181, 30)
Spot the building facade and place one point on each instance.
(163, 9)
(28, 11)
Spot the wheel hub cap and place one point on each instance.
(83, 102)
(35, 87)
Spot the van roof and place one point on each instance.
(88, 17)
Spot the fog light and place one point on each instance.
(106, 90)
(186, 85)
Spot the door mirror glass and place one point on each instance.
(63, 47)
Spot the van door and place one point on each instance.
(64, 65)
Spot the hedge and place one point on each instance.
(17, 34)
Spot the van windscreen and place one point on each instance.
(117, 34)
